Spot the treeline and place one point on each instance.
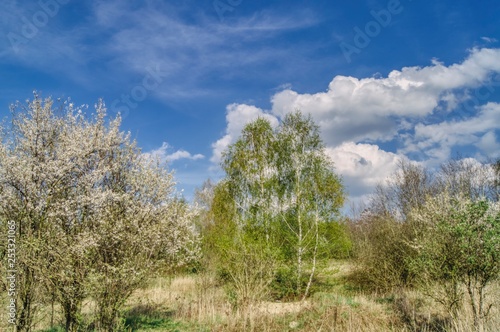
(95, 219)
(438, 232)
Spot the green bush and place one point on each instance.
(335, 240)
(383, 253)
(284, 285)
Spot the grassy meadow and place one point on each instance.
(198, 302)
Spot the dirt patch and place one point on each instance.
(281, 308)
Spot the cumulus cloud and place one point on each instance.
(362, 166)
(436, 140)
(237, 116)
(371, 108)
(162, 154)
(405, 109)
(489, 144)
(183, 154)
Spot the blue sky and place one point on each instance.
(385, 80)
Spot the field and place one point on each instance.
(200, 303)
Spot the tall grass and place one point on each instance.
(201, 303)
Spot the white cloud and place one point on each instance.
(363, 166)
(405, 106)
(162, 154)
(237, 116)
(183, 154)
(489, 144)
(436, 140)
(158, 33)
(489, 40)
(355, 109)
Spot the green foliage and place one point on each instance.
(220, 229)
(383, 253)
(147, 323)
(280, 196)
(249, 268)
(284, 285)
(55, 329)
(465, 241)
(335, 240)
(240, 259)
(461, 247)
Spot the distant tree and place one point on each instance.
(496, 169)
(468, 177)
(404, 190)
(383, 232)
(203, 199)
(438, 231)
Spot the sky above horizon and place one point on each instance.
(385, 80)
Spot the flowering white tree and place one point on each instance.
(88, 207)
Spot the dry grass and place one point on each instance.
(200, 303)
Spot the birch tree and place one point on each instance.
(242, 235)
(283, 187)
(250, 165)
(310, 192)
